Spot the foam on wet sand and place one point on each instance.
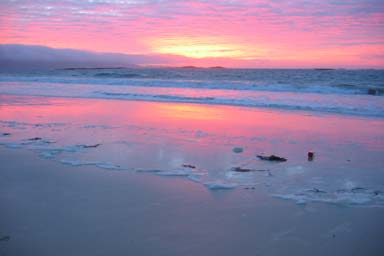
(53, 209)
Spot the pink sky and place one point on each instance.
(233, 33)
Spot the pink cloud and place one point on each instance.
(274, 31)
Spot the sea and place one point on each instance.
(338, 91)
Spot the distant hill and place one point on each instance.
(16, 56)
(194, 67)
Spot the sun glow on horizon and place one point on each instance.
(199, 48)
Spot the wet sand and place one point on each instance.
(61, 198)
(51, 209)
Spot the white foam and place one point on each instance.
(91, 126)
(295, 170)
(348, 184)
(200, 134)
(48, 154)
(218, 185)
(22, 125)
(110, 166)
(78, 162)
(148, 170)
(196, 177)
(72, 148)
(353, 197)
(103, 165)
(12, 124)
(11, 144)
(181, 172)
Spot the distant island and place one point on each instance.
(217, 67)
(101, 68)
(194, 67)
(323, 69)
(136, 66)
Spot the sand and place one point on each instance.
(51, 209)
(61, 198)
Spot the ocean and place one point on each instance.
(339, 91)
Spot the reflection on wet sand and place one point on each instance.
(166, 138)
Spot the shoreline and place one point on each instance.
(314, 99)
(302, 112)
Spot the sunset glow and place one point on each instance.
(201, 47)
(258, 33)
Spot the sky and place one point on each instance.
(231, 33)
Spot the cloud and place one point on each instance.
(270, 27)
(30, 57)
(15, 56)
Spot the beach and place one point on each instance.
(119, 177)
(191, 128)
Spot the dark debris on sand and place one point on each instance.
(241, 169)
(272, 158)
(316, 190)
(91, 146)
(375, 91)
(35, 139)
(5, 238)
(189, 166)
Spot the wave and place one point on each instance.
(115, 75)
(338, 105)
(352, 92)
(304, 81)
(165, 97)
(131, 80)
(361, 105)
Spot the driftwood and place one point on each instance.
(272, 158)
